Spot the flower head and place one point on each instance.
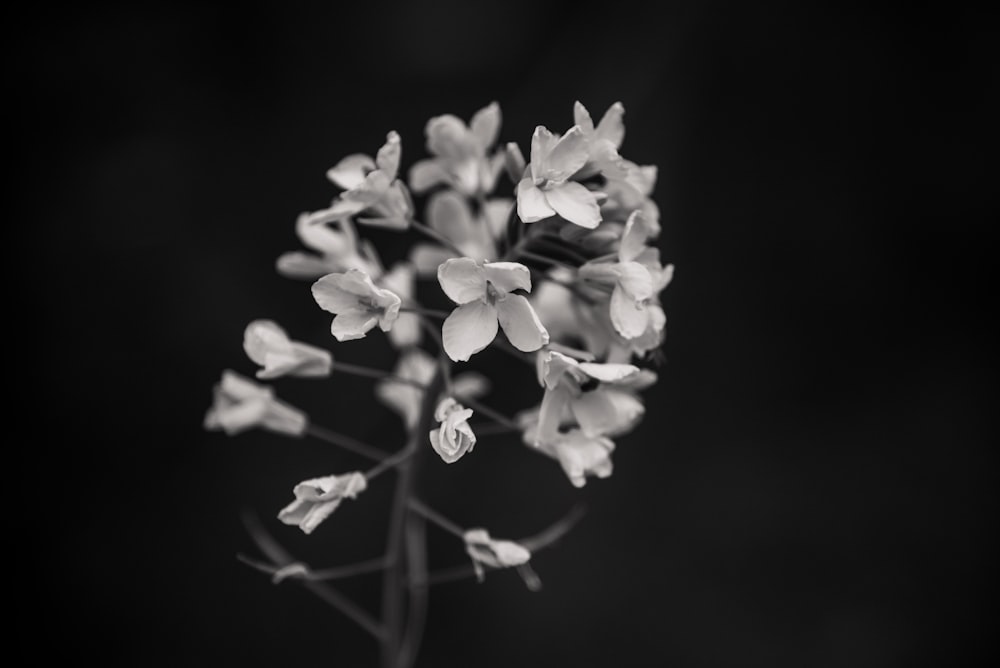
(485, 298)
(316, 499)
(335, 248)
(241, 404)
(266, 343)
(492, 553)
(454, 437)
(546, 190)
(460, 151)
(357, 302)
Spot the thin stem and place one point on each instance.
(496, 416)
(368, 372)
(510, 350)
(325, 574)
(437, 236)
(420, 310)
(416, 548)
(558, 245)
(437, 518)
(276, 553)
(346, 442)
(388, 463)
(544, 259)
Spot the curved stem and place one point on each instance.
(438, 237)
(345, 442)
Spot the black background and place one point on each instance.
(813, 484)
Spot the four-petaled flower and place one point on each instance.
(546, 190)
(637, 276)
(357, 302)
(241, 404)
(454, 437)
(315, 499)
(460, 153)
(485, 298)
(492, 553)
(267, 344)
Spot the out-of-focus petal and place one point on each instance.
(609, 373)
(612, 127)
(353, 324)
(636, 280)
(427, 257)
(469, 329)
(470, 384)
(634, 237)
(607, 412)
(449, 137)
(425, 174)
(531, 202)
(462, 279)
(449, 213)
(387, 158)
(521, 324)
(303, 266)
(513, 162)
(325, 239)
(582, 118)
(575, 203)
(508, 276)
(542, 142)
(567, 156)
(550, 414)
(332, 293)
(629, 318)
(485, 125)
(350, 172)
(496, 212)
(263, 336)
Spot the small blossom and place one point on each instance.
(547, 189)
(599, 411)
(316, 499)
(266, 343)
(636, 277)
(449, 214)
(488, 552)
(581, 455)
(460, 153)
(454, 437)
(604, 140)
(241, 404)
(485, 300)
(335, 249)
(357, 302)
(372, 188)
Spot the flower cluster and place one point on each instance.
(551, 260)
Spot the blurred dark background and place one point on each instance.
(813, 484)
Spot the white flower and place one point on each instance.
(581, 455)
(315, 499)
(485, 298)
(636, 277)
(454, 437)
(604, 140)
(492, 553)
(266, 343)
(461, 160)
(357, 302)
(241, 404)
(372, 188)
(599, 411)
(418, 366)
(546, 190)
(449, 214)
(336, 249)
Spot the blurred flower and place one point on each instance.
(488, 552)
(315, 499)
(417, 366)
(357, 302)
(399, 280)
(450, 214)
(460, 152)
(266, 343)
(336, 249)
(484, 295)
(454, 437)
(547, 190)
(241, 404)
(581, 455)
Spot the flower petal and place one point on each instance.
(634, 237)
(607, 412)
(425, 174)
(567, 156)
(508, 276)
(306, 266)
(513, 162)
(449, 213)
(531, 203)
(609, 373)
(629, 318)
(387, 158)
(485, 125)
(582, 118)
(542, 142)
(575, 203)
(353, 324)
(262, 337)
(469, 329)
(449, 137)
(611, 127)
(462, 279)
(521, 324)
(350, 172)
(636, 280)
(427, 257)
